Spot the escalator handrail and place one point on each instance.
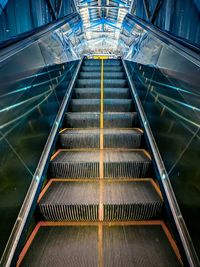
(18, 228)
(184, 235)
(182, 47)
(29, 38)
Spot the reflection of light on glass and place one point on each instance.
(172, 87)
(15, 152)
(183, 104)
(37, 84)
(174, 112)
(24, 102)
(26, 113)
(29, 87)
(10, 130)
(50, 91)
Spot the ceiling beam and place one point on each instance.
(103, 6)
(132, 7)
(58, 7)
(51, 9)
(156, 10)
(146, 8)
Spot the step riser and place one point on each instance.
(96, 94)
(70, 212)
(130, 141)
(98, 63)
(116, 212)
(94, 106)
(96, 83)
(110, 121)
(74, 170)
(132, 212)
(125, 169)
(92, 169)
(97, 75)
(98, 69)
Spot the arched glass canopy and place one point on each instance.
(102, 23)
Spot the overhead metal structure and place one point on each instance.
(102, 20)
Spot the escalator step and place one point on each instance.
(97, 68)
(74, 201)
(109, 93)
(72, 164)
(86, 164)
(135, 200)
(122, 138)
(85, 138)
(79, 201)
(134, 244)
(92, 120)
(70, 246)
(110, 62)
(94, 75)
(110, 105)
(91, 62)
(109, 83)
(125, 164)
(90, 138)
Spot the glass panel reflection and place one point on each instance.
(33, 84)
(168, 81)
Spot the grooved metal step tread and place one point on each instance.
(106, 68)
(93, 75)
(72, 245)
(131, 201)
(92, 119)
(86, 164)
(110, 105)
(109, 93)
(90, 138)
(141, 245)
(123, 200)
(105, 62)
(71, 201)
(69, 246)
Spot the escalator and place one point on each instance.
(101, 204)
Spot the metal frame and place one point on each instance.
(102, 15)
(156, 11)
(37, 179)
(146, 9)
(54, 12)
(187, 244)
(51, 9)
(151, 16)
(103, 6)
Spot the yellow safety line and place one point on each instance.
(102, 96)
(101, 123)
(101, 171)
(100, 245)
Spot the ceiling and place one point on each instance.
(102, 21)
